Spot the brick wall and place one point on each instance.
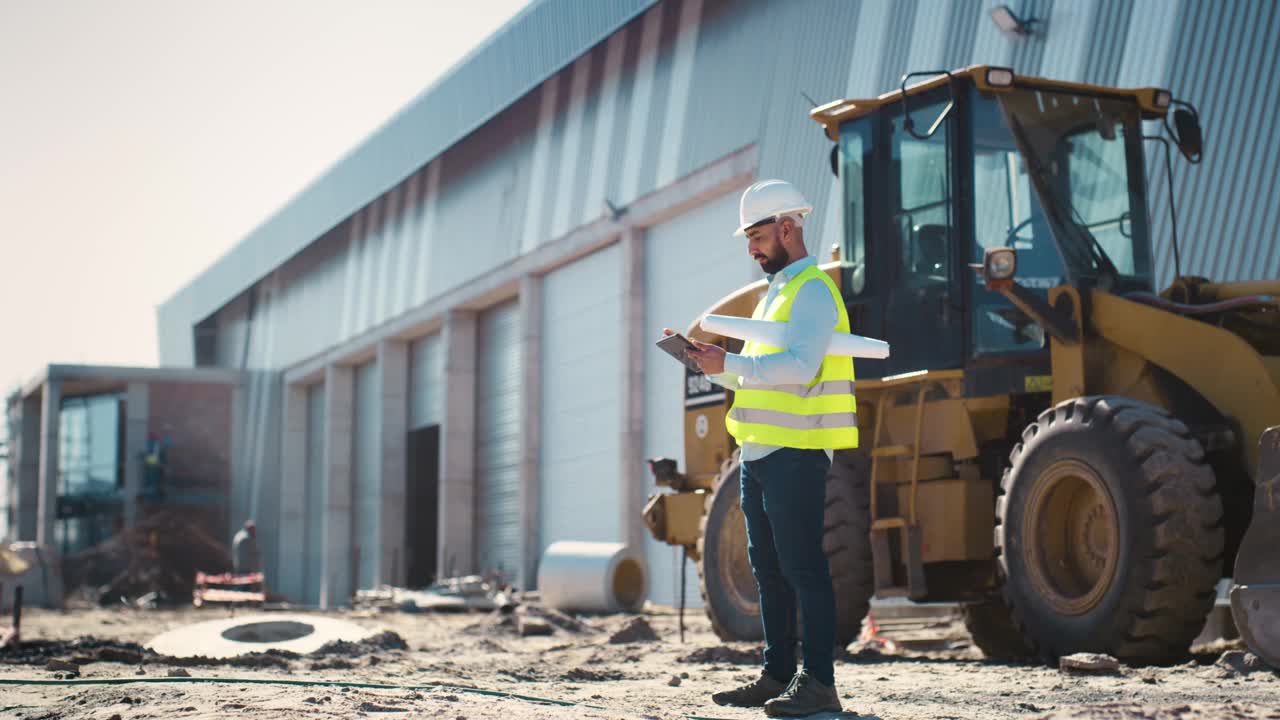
(195, 419)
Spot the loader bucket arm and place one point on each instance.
(1255, 597)
(1219, 364)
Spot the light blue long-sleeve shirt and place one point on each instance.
(805, 339)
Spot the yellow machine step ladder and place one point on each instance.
(910, 581)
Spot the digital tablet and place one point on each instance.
(678, 347)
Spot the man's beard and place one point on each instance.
(776, 262)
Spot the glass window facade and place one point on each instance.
(89, 471)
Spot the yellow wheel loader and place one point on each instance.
(1052, 443)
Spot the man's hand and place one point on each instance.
(710, 358)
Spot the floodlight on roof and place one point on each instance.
(1009, 23)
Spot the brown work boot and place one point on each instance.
(805, 695)
(754, 694)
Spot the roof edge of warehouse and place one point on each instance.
(281, 235)
(125, 374)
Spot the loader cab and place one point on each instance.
(930, 183)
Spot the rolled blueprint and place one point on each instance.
(767, 332)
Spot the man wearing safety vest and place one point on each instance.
(793, 405)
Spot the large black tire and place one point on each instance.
(1109, 532)
(729, 592)
(847, 542)
(991, 626)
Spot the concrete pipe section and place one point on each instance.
(256, 633)
(592, 577)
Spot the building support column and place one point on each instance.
(137, 416)
(242, 439)
(631, 470)
(393, 382)
(531, 435)
(28, 464)
(457, 554)
(46, 512)
(338, 560)
(290, 551)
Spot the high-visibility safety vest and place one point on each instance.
(820, 415)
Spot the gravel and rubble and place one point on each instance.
(479, 666)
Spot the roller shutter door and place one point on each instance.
(498, 428)
(581, 401)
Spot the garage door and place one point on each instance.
(498, 425)
(581, 400)
(690, 262)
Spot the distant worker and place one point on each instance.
(153, 484)
(792, 407)
(245, 555)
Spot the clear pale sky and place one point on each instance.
(141, 139)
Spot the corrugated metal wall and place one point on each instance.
(1224, 59)
(497, 444)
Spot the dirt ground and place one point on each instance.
(467, 666)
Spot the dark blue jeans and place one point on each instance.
(784, 498)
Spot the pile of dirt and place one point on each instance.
(385, 640)
(722, 654)
(267, 659)
(637, 630)
(160, 555)
(88, 650)
(80, 651)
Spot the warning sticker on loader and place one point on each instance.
(1038, 383)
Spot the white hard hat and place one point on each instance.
(770, 199)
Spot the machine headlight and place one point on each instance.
(999, 265)
(999, 77)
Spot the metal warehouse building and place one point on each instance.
(446, 340)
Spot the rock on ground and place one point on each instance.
(1089, 663)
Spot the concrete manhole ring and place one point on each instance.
(257, 632)
(268, 631)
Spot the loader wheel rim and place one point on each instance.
(1072, 537)
(741, 584)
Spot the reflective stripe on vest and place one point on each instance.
(819, 415)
